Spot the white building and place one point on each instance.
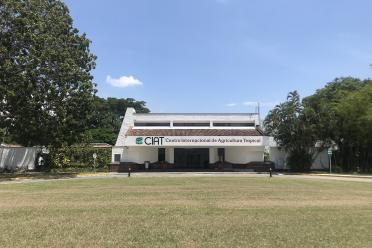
(193, 141)
(189, 141)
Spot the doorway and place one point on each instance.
(191, 158)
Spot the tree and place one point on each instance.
(46, 89)
(290, 125)
(343, 112)
(355, 125)
(340, 113)
(106, 118)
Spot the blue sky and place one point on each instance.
(222, 55)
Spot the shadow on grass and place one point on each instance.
(35, 175)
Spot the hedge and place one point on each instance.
(78, 156)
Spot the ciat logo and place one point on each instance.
(150, 141)
(139, 140)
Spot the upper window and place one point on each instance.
(152, 124)
(232, 124)
(191, 124)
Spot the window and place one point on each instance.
(232, 124)
(161, 154)
(117, 157)
(190, 124)
(152, 124)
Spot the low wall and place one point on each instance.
(279, 157)
(19, 158)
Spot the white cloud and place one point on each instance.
(123, 81)
(231, 104)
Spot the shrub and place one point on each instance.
(299, 160)
(336, 169)
(78, 157)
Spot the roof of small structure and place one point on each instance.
(10, 145)
(100, 145)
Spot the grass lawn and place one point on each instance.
(186, 212)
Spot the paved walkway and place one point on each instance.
(351, 178)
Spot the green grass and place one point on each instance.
(186, 212)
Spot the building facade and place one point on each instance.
(189, 141)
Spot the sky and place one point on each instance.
(223, 55)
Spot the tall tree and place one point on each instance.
(355, 125)
(343, 109)
(46, 89)
(340, 113)
(289, 124)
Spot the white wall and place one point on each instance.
(279, 157)
(321, 160)
(136, 154)
(128, 122)
(169, 155)
(243, 155)
(123, 151)
(213, 155)
(18, 158)
(184, 117)
(239, 155)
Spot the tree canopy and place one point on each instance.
(47, 96)
(340, 114)
(344, 116)
(46, 89)
(289, 124)
(106, 117)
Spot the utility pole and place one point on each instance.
(259, 114)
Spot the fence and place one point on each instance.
(17, 158)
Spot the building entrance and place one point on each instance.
(191, 158)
